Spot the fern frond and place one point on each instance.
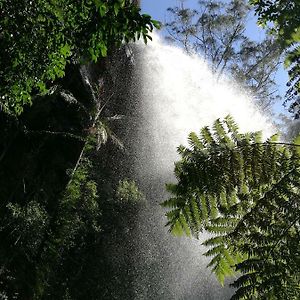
(244, 292)
(196, 214)
(214, 251)
(176, 228)
(218, 229)
(173, 215)
(229, 222)
(204, 210)
(173, 202)
(184, 152)
(222, 270)
(171, 188)
(273, 138)
(232, 199)
(206, 136)
(245, 194)
(194, 141)
(216, 240)
(296, 148)
(213, 206)
(184, 225)
(221, 134)
(232, 128)
(223, 199)
(256, 137)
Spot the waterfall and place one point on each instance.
(177, 94)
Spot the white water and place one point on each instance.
(179, 94)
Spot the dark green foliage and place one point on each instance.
(216, 30)
(128, 192)
(40, 220)
(285, 23)
(93, 233)
(39, 38)
(245, 193)
(71, 243)
(65, 230)
(66, 214)
(77, 220)
(32, 172)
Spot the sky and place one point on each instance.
(158, 10)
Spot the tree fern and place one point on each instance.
(245, 193)
(195, 142)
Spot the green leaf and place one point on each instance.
(156, 24)
(102, 9)
(116, 8)
(65, 50)
(103, 50)
(296, 142)
(246, 197)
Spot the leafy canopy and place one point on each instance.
(217, 31)
(38, 38)
(245, 193)
(284, 19)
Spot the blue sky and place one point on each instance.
(158, 10)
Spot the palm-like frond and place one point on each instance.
(245, 193)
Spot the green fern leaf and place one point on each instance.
(296, 142)
(176, 229)
(216, 240)
(206, 136)
(196, 213)
(173, 202)
(213, 206)
(204, 210)
(232, 128)
(184, 225)
(245, 194)
(194, 141)
(220, 133)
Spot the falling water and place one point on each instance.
(181, 95)
(177, 94)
